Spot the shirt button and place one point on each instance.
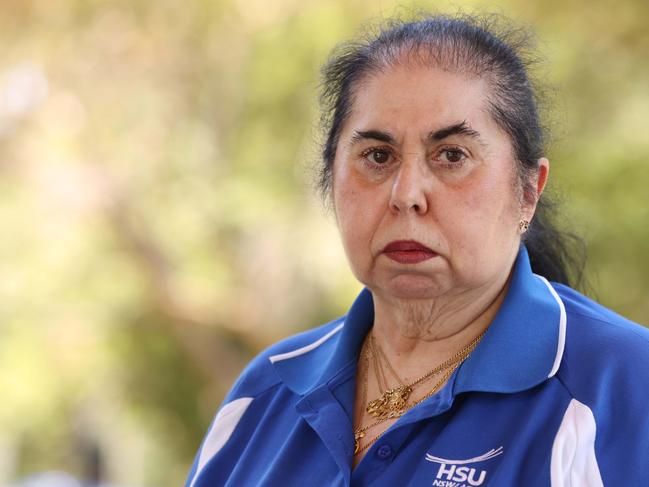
(384, 451)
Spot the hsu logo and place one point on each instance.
(454, 476)
(453, 473)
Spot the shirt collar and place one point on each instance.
(524, 344)
(522, 347)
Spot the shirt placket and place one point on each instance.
(328, 419)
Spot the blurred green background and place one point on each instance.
(159, 223)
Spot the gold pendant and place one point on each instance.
(391, 403)
(357, 436)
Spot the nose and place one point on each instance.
(409, 189)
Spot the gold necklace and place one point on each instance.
(362, 378)
(449, 366)
(392, 398)
(393, 401)
(359, 432)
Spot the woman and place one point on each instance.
(460, 363)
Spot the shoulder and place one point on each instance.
(605, 370)
(592, 327)
(605, 354)
(260, 375)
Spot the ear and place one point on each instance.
(543, 173)
(538, 186)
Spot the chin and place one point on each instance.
(411, 286)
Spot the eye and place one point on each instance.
(452, 156)
(377, 156)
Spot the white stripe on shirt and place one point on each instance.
(573, 461)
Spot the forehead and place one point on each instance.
(407, 97)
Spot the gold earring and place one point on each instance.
(523, 225)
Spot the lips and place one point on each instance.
(408, 252)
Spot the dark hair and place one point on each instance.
(486, 47)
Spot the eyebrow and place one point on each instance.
(461, 128)
(360, 135)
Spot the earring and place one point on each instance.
(523, 226)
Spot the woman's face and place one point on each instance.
(424, 186)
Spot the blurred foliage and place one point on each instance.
(160, 224)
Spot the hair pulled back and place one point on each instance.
(485, 47)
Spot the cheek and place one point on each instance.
(480, 216)
(347, 206)
(343, 194)
(466, 208)
(358, 213)
(490, 199)
(353, 198)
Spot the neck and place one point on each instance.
(417, 335)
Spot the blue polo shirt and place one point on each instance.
(555, 394)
